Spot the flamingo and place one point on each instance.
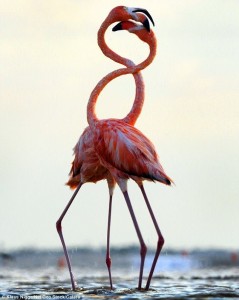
(86, 166)
(127, 153)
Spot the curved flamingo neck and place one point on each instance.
(133, 69)
(104, 47)
(136, 109)
(138, 102)
(91, 115)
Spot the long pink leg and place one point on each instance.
(108, 258)
(160, 237)
(59, 230)
(143, 248)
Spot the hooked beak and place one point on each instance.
(144, 11)
(119, 26)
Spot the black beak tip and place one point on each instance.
(117, 27)
(146, 25)
(144, 11)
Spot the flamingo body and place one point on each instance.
(125, 150)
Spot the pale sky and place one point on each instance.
(50, 62)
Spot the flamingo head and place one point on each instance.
(124, 13)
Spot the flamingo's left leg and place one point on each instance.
(108, 258)
(59, 230)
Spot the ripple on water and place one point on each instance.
(177, 277)
(197, 287)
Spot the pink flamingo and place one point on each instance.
(126, 153)
(86, 166)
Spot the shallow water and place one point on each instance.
(32, 274)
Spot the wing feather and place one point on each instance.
(127, 149)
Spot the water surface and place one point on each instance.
(37, 274)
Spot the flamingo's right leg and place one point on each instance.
(59, 230)
(160, 236)
(143, 247)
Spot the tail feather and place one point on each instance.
(163, 178)
(73, 182)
